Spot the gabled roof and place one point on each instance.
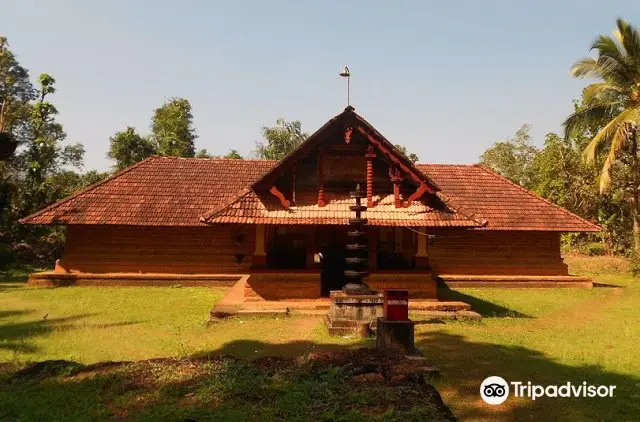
(166, 191)
(350, 119)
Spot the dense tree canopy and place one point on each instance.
(281, 139)
(128, 147)
(172, 128)
(513, 158)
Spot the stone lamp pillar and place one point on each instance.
(355, 308)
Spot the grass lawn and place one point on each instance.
(543, 336)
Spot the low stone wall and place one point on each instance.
(284, 285)
(307, 285)
(58, 279)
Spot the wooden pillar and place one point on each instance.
(370, 155)
(321, 199)
(396, 179)
(259, 254)
(422, 255)
(293, 185)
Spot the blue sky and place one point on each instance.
(446, 79)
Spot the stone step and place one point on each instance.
(262, 312)
(431, 316)
(435, 305)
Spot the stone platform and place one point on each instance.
(349, 311)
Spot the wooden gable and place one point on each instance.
(344, 152)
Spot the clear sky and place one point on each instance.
(444, 78)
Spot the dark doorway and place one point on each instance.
(288, 248)
(333, 265)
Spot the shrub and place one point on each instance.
(7, 256)
(634, 265)
(594, 249)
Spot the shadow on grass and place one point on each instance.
(217, 386)
(18, 336)
(209, 385)
(464, 365)
(481, 306)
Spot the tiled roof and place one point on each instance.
(158, 191)
(251, 209)
(504, 204)
(166, 191)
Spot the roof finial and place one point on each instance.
(346, 73)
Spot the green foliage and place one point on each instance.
(610, 111)
(128, 147)
(16, 91)
(593, 249)
(413, 157)
(44, 155)
(172, 128)
(203, 153)
(514, 158)
(634, 265)
(280, 140)
(234, 154)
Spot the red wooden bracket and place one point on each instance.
(392, 156)
(417, 194)
(275, 192)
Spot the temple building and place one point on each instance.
(281, 225)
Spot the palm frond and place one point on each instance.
(585, 67)
(608, 46)
(607, 135)
(618, 141)
(595, 92)
(629, 37)
(589, 115)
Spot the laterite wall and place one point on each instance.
(497, 253)
(186, 250)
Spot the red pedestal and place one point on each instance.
(396, 305)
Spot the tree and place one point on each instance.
(411, 156)
(234, 154)
(514, 158)
(614, 102)
(128, 147)
(44, 154)
(203, 153)
(280, 140)
(16, 91)
(172, 128)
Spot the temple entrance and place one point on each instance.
(332, 265)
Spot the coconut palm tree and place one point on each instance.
(613, 105)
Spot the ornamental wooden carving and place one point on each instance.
(347, 135)
(275, 192)
(417, 194)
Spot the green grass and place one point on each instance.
(544, 336)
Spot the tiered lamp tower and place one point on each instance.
(357, 262)
(355, 308)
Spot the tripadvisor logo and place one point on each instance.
(495, 390)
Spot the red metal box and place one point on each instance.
(396, 304)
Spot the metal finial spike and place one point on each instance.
(346, 73)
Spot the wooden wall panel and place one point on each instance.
(186, 250)
(497, 253)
